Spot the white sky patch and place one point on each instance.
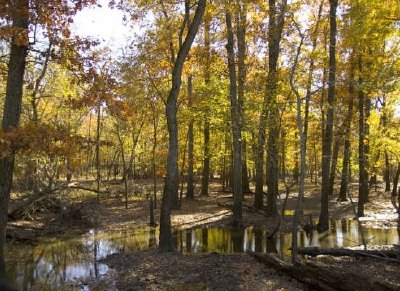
(104, 24)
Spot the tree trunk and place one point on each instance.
(240, 16)
(98, 174)
(363, 177)
(320, 278)
(153, 155)
(394, 195)
(275, 27)
(190, 181)
(366, 144)
(335, 156)
(347, 143)
(323, 223)
(236, 126)
(124, 168)
(269, 113)
(315, 251)
(171, 186)
(12, 112)
(206, 160)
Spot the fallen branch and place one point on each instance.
(248, 208)
(322, 278)
(391, 255)
(22, 208)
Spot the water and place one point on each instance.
(72, 264)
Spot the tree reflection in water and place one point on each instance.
(72, 262)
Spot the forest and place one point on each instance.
(224, 145)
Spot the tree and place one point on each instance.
(236, 120)
(206, 133)
(323, 223)
(171, 183)
(190, 182)
(12, 110)
(270, 113)
(347, 137)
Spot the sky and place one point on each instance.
(104, 24)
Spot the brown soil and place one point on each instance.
(151, 270)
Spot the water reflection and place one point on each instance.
(72, 263)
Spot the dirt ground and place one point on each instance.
(152, 270)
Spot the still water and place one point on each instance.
(72, 264)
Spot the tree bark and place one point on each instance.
(335, 156)
(98, 174)
(394, 194)
(190, 180)
(240, 16)
(269, 113)
(363, 177)
(12, 112)
(387, 172)
(206, 133)
(323, 223)
(323, 278)
(366, 144)
(236, 126)
(315, 251)
(153, 156)
(347, 143)
(171, 183)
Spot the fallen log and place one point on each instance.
(322, 278)
(17, 212)
(248, 208)
(393, 255)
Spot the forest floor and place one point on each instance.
(152, 270)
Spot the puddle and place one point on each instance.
(72, 264)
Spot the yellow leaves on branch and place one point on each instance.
(36, 137)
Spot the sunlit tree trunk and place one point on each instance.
(335, 156)
(269, 113)
(171, 183)
(12, 112)
(347, 143)
(363, 176)
(153, 155)
(97, 151)
(240, 16)
(190, 182)
(236, 125)
(206, 132)
(323, 223)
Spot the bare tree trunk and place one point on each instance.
(124, 168)
(153, 155)
(12, 112)
(363, 177)
(98, 174)
(394, 195)
(387, 172)
(335, 156)
(347, 143)
(275, 33)
(269, 113)
(190, 181)
(171, 183)
(240, 17)
(323, 223)
(366, 144)
(236, 126)
(206, 133)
